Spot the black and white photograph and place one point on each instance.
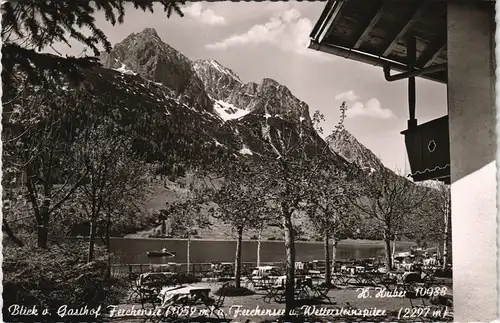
(249, 162)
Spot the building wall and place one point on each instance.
(471, 104)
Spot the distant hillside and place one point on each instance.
(176, 106)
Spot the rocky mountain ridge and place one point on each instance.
(145, 54)
(347, 146)
(205, 84)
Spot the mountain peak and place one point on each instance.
(216, 67)
(146, 54)
(269, 82)
(149, 32)
(347, 146)
(219, 80)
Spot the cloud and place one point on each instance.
(286, 30)
(349, 96)
(205, 16)
(371, 109)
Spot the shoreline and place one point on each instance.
(345, 241)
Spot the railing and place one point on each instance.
(200, 270)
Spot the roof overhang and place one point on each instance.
(379, 32)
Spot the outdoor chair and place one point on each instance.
(320, 292)
(134, 287)
(301, 290)
(370, 278)
(388, 283)
(249, 283)
(338, 278)
(428, 276)
(276, 293)
(216, 304)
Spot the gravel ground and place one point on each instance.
(345, 297)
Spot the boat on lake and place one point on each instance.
(161, 253)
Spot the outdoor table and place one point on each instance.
(276, 291)
(263, 281)
(159, 275)
(281, 280)
(154, 278)
(396, 275)
(314, 272)
(193, 293)
(154, 281)
(186, 298)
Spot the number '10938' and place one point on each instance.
(431, 291)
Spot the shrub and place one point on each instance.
(57, 276)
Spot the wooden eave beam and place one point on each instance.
(369, 26)
(404, 29)
(431, 53)
(333, 17)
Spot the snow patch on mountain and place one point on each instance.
(228, 111)
(245, 151)
(123, 69)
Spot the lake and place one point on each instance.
(134, 250)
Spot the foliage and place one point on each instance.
(295, 155)
(52, 121)
(30, 26)
(186, 214)
(239, 202)
(57, 277)
(38, 133)
(115, 177)
(329, 207)
(389, 199)
(429, 225)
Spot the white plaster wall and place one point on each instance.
(471, 104)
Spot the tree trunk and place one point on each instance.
(290, 259)
(42, 233)
(108, 246)
(394, 246)
(163, 226)
(93, 224)
(41, 212)
(237, 262)
(10, 234)
(258, 246)
(328, 271)
(446, 236)
(108, 240)
(387, 245)
(43, 229)
(334, 252)
(188, 260)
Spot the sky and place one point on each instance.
(269, 40)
